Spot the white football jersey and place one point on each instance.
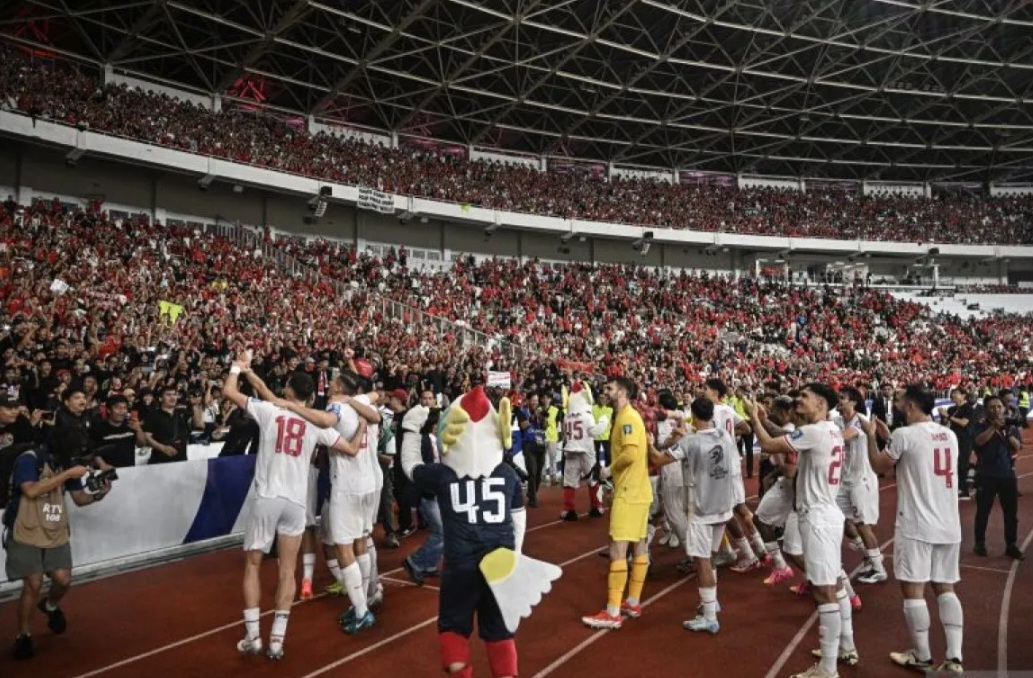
(285, 446)
(927, 492)
(579, 432)
(670, 475)
(726, 419)
(819, 470)
(370, 443)
(856, 467)
(350, 474)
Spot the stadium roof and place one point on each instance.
(853, 89)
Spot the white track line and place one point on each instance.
(409, 584)
(798, 638)
(1002, 628)
(411, 629)
(986, 569)
(1002, 643)
(602, 632)
(224, 627)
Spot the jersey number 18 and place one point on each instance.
(290, 435)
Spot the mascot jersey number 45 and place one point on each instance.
(482, 510)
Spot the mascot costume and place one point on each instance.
(579, 460)
(482, 509)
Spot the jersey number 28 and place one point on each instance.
(490, 507)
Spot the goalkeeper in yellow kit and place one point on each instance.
(629, 516)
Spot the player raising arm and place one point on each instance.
(277, 511)
(818, 448)
(927, 534)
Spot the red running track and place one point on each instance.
(183, 618)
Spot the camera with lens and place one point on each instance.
(94, 480)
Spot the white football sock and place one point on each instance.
(308, 565)
(775, 551)
(356, 592)
(916, 612)
(364, 567)
(845, 578)
(830, 625)
(374, 570)
(875, 558)
(742, 545)
(846, 614)
(708, 595)
(251, 623)
(279, 631)
(953, 620)
(759, 548)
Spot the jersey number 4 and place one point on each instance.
(489, 507)
(943, 465)
(290, 435)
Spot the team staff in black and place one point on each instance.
(959, 418)
(997, 443)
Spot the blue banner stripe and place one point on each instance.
(225, 490)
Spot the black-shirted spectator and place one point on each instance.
(115, 437)
(238, 431)
(166, 429)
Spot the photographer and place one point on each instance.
(997, 442)
(17, 432)
(36, 534)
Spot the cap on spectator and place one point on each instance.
(9, 401)
(399, 393)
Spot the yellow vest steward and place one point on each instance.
(552, 434)
(597, 412)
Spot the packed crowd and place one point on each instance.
(53, 90)
(130, 308)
